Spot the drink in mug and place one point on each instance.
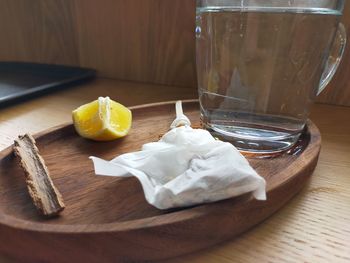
(260, 67)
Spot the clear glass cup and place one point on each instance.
(261, 63)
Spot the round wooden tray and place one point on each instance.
(107, 219)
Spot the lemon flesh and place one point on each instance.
(102, 120)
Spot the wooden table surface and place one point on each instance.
(313, 227)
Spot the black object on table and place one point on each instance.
(20, 80)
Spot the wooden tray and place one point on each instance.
(108, 220)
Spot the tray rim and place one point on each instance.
(149, 222)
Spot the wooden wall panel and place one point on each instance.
(140, 40)
(38, 31)
(147, 40)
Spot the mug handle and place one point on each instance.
(334, 59)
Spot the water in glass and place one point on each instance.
(259, 71)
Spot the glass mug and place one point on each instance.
(260, 63)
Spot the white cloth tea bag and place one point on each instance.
(186, 167)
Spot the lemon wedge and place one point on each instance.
(102, 120)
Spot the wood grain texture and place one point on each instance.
(313, 227)
(148, 41)
(38, 31)
(111, 215)
(40, 187)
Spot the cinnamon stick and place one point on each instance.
(44, 194)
